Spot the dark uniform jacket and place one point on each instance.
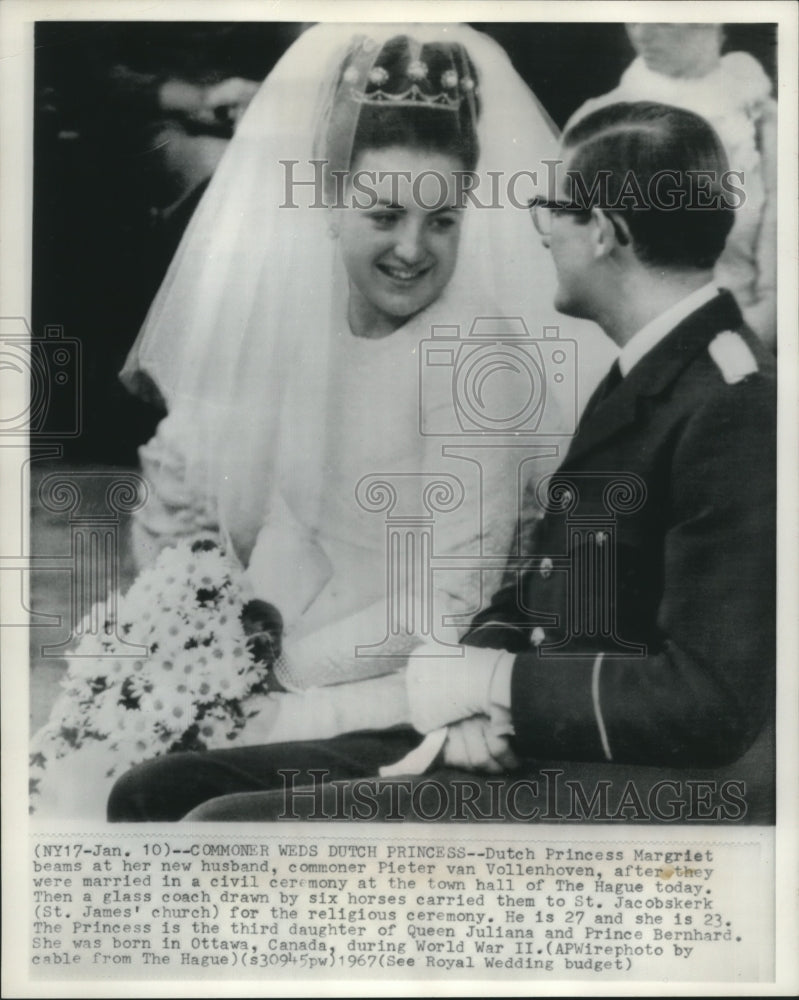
(643, 614)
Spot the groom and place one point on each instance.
(641, 628)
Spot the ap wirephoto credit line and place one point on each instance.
(398, 499)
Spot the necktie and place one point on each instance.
(611, 380)
(603, 390)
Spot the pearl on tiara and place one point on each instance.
(378, 75)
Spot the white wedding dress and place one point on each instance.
(327, 569)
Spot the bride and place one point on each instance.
(311, 342)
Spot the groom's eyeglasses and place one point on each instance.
(542, 210)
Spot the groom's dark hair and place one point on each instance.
(661, 169)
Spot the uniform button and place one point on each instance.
(545, 567)
(537, 636)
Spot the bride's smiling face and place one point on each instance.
(401, 251)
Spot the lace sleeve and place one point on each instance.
(337, 653)
(287, 566)
(175, 507)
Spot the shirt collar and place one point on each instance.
(655, 330)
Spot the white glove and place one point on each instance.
(445, 689)
(481, 744)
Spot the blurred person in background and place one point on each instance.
(131, 122)
(683, 65)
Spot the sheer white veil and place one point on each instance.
(241, 332)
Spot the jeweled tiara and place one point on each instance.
(449, 98)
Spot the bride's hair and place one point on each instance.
(422, 97)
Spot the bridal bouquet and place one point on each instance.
(172, 667)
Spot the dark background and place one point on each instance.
(101, 243)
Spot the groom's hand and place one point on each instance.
(445, 689)
(481, 744)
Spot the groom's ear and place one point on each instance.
(608, 234)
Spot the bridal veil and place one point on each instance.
(241, 336)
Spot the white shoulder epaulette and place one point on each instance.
(733, 356)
